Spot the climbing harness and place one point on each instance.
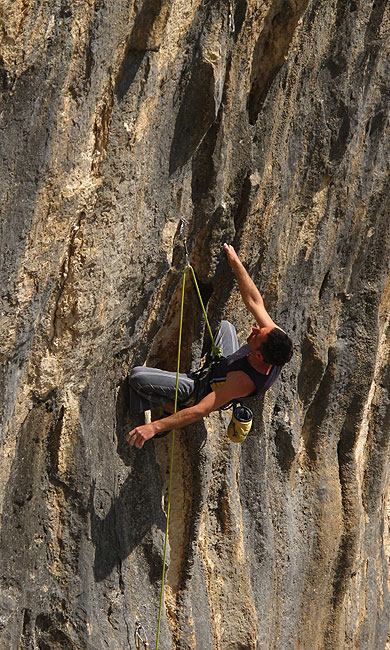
(140, 637)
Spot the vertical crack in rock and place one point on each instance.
(221, 545)
(146, 36)
(201, 89)
(272, 49)
(64, 312)
(101, 129)
(196, 114)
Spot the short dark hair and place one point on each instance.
(277, 349)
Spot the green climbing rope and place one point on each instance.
(171, 463)
(216, 352)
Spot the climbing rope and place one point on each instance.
(216, 352)
(171, 462)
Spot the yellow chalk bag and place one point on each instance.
(240, 424)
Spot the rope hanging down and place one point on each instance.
(216, 352)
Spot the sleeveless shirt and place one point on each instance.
(239, 361)
(220, 369)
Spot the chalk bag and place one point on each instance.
(240, 424)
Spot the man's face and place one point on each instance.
(257, 337)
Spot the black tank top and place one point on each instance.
(220, 369)
(239, 361)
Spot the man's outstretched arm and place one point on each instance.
(249, 292)
(237, 385)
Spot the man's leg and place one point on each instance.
(151, 387)
(226, 338)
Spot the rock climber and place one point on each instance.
(246, 371)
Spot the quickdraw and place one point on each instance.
(232, 26)
(140, 637)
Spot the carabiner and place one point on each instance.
(140, 636)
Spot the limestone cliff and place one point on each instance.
(264, 123)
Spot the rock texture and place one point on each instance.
(260, 122)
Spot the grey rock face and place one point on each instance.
(264, 124)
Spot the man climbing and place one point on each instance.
(245, 371)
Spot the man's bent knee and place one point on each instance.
(138, 376)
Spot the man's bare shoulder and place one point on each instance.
(240, 383)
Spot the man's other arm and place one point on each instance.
(237, 385)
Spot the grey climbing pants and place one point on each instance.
(151, 387)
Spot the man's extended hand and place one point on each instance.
(231, 254)
(141, 434)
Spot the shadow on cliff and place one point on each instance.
(131, 516)
(140, 42)
(195, 116)
(137, 510)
